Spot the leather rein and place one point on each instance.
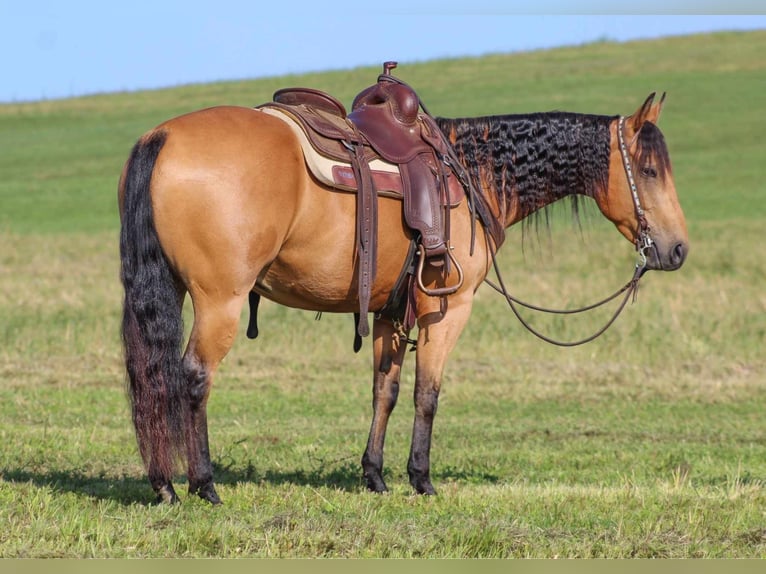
(643, 243)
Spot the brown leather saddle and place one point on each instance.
(386, 125)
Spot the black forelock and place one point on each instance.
(652, 148)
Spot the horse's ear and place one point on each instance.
(642, 114)
(654, 114)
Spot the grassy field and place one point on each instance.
(650, 442)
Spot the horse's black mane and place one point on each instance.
(538, 157)
(543, 157)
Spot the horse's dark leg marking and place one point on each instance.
(385, 392)
(419, 463)
(200, 465)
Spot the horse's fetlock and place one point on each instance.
(164, 490)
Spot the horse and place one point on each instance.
(218, 204)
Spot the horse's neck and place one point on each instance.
(526, 162)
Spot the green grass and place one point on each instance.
(649, 442)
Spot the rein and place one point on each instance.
(643, 243)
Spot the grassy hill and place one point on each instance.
(61, 159)
(649, 442)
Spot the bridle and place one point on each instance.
(643, 243)
(643, 240)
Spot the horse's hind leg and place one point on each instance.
(388, 357)
(215, 326)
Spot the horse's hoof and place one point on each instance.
(423, 486)
(375, 484)
(207, 492)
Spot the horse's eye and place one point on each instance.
(648, 171)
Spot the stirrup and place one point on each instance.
(439, 291)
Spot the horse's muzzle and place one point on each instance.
(660, 259)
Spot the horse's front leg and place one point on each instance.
(436, 339)
(388, 352)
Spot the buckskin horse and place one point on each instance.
(220, 204)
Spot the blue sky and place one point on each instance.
(61, 49)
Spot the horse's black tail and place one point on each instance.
(152, 324)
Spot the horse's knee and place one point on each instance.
(426, 401)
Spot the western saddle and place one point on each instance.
(385, 143)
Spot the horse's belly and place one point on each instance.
(332, 287)
(318, 270)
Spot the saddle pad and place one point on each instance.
(339, 174)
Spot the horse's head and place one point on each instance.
(641, 197)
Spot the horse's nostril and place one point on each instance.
(678, 254)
